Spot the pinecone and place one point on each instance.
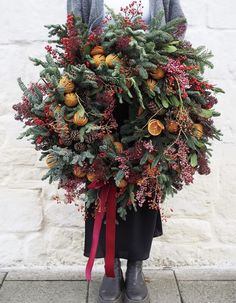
(126, 71)
(79, 147)
(67, 141)
(152, 106)
(89, 138)
(75, 135)
(155, 109)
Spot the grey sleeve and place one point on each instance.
(74, 6)
(175, 10)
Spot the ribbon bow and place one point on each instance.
(107, 204)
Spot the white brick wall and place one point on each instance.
(34, 230)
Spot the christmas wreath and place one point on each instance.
(125, 102)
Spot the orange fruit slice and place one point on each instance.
(70, 100)
(155, 127)
(122, 183)
(198, 130)
(111, 59)
(172, 126)
(78, 120)
(67, 84)
(91, 176)
(157, 73)
(99, 59)
(78, 172)
(97, 50)
(51, 161)
(151, 83)
(119, 146)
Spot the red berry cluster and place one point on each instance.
(131, 12)
(72, 42)
(201, 86)
(52, 52)
(94, 37)
(133, 9)
(122, 43)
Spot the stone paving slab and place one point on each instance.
(43, 292)
(161, 284)
(2, 277)
(45, 275)
(213, 274)
(169, 285)
(208, 291)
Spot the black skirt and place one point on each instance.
(134, 236)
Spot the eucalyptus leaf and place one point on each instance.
(165, 103)
(119, 176)
(170, 49)
(193, 160)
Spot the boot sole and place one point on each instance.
(118, 300)
(145, 300)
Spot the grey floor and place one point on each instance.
(168, 285)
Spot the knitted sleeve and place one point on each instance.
(91, 11)
(175, 10)
(74, 6)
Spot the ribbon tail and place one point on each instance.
(110, 231)
(96, 230)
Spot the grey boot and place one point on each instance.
(111, 289)
(135, 286)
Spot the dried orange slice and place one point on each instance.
(198, 130)
(91, 176)
(78, 172)
(97, 50)
(155, 127)
(122, 183)
(118, 146)
(157, 73)
(111, 59)
(99, 59)
(78, 120)
(67, 84)
(151, 83)
(71, 100)
(172, 126)
(51, 161)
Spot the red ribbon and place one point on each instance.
(107, 204)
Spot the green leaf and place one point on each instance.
(90, 197)
(143, 73)
(218, 90)
(81, 111)
(191, 143)
(144, 158)
(206, 113)
(193, 160)
(132, 196)
(198, 143)
(156, 160)
(174, 101)
(170, 49)
(165, 103)
(138, 92)
(22, 85)
(119, 176)
(87, 49)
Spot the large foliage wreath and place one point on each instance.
(127, 102)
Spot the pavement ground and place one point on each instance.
(166, 285)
